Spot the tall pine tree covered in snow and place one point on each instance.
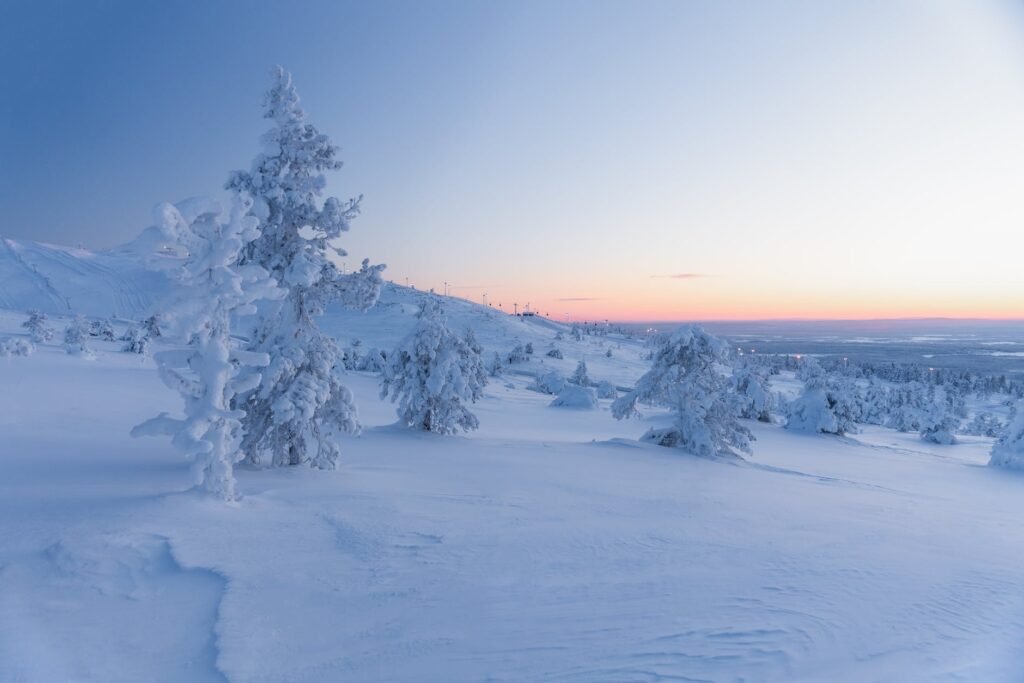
(293, 416)
(207, 371)
(688, 376)
(433, 374)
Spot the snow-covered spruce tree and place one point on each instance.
(207, 372)
(76, 338)
(938, 421)
(751, 386)
(580, 376)
(688, 376)
(496, 366)
(433, 374)
(296, 412)
(1008, 451)
(37, 328)
(827, 405)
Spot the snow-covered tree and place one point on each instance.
(76, 337)
(496, 366)
(207, 371)
(1008, 451)
(906, 405)
(101, 329)
(529, 348)
(827, 405)
(152, 326)
(372, 361)
(688, 376)
(548, 383)
(294, 414)
(517, 355)
(580, 376)
(136, 340)
(37, 328)
(751, 386)
(983, 424)
(432, 375)
(606, 389)
(937, 421)
(555, 353)
(874, 403)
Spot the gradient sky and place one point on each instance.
(625, 160)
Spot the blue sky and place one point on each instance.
(839, 159)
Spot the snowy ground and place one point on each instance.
(549, 545)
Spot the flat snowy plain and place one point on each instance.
(548, 546)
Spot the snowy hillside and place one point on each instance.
(62, 280)
(393, 317)
(549, 545)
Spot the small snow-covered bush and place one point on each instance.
(555, 353)
(152, 326)
(136, 340)
(432, 375)
(529, 348)
(688, 376)
(576, 396)
(76, 336)
(548, 383)
(37, 327)
(373, 361)
(16, 346)
(606, 389)
(101, 329)
(1008, 452)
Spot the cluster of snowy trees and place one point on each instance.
(264, 274)
(709, 389)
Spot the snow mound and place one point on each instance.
(574, 396)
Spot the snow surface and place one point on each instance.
(548, 545)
